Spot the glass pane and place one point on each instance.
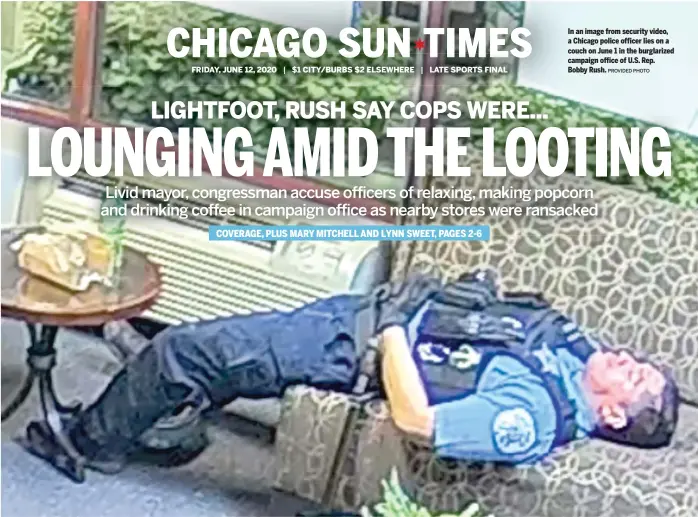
(137, 70)
(501, 82)
(478, 73)
(37, 50)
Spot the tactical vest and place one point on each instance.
(454, 347)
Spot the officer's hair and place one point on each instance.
(649, 428)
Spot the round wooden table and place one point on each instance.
(45, 307)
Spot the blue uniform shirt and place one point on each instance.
(511, 416)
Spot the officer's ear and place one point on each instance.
(613, 415)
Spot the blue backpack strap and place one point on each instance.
(567, 423)
(576, 340)
(578, 343)
(550, 326)
(472, 291)
(526, 300)
(454, 324)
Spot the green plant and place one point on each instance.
(396, 503)
(137, 69)
(680, 188)
(42, 68)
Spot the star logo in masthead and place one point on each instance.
(419, 44)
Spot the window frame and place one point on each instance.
(89, 19)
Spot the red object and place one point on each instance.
(419, 44)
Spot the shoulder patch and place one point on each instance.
(514, 431)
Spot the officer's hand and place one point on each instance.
(398, 303)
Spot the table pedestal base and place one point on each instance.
(41, 359)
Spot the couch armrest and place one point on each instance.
(308, 439)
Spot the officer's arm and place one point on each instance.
(407, 398)
(512, 420)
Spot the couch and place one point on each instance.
(628, 275)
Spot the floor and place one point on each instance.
(230, 479)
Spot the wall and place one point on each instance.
(13, 166)
(21, 196)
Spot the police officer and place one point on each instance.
(485, 377)
(510, 378)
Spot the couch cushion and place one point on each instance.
(590, 478)
(629, 275)
(308, 441)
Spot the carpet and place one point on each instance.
(231, 478)
(31, 487)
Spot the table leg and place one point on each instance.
(20, 397)
(42, 359)
(41, 355)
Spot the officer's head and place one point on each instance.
(635, 402)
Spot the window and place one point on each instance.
(504, 85)
(465, 15)
(471, 86)
(136, 70)
(458, 19)
(37, 51)
(51, 51)
(408, 11)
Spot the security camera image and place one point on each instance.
(372, 259)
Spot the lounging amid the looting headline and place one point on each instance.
(352, 150)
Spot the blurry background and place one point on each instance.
(103, 63)
(82, 63)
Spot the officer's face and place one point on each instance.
(620, 385)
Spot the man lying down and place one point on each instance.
(484, 376)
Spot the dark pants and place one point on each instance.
(212, 363)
